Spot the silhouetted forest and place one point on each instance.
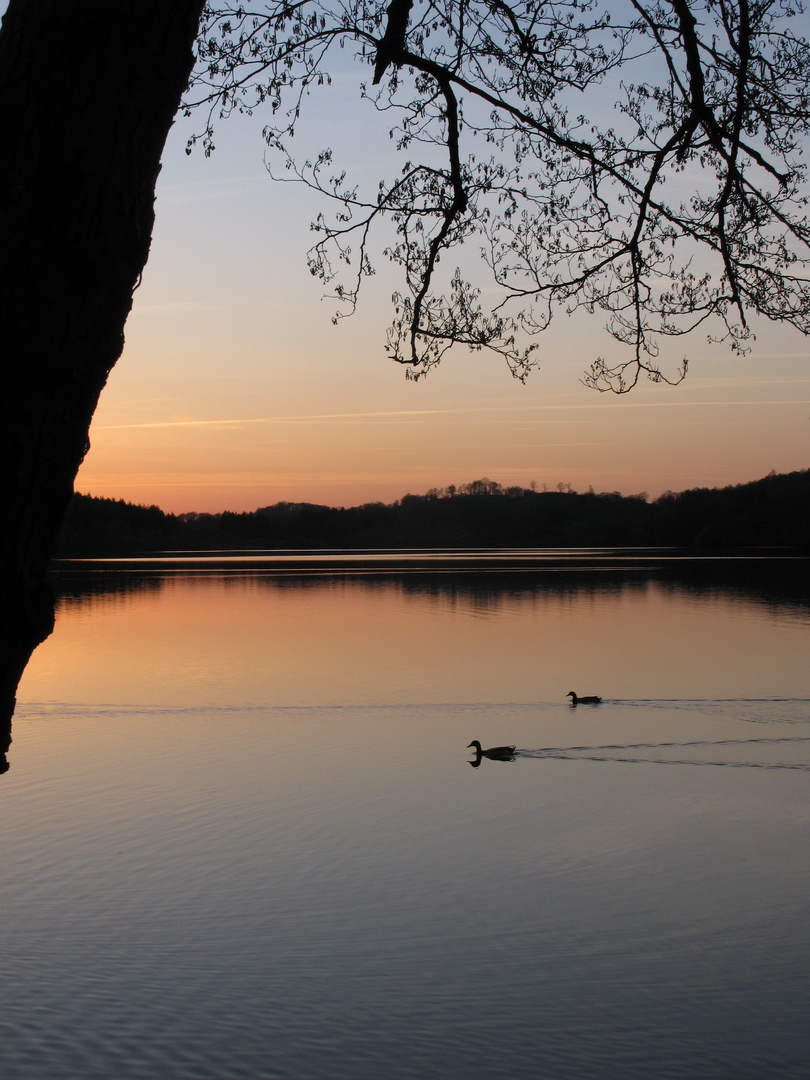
(772, 512)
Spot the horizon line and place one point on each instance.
(545, 490)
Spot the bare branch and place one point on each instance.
(687, 209)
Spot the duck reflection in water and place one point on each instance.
(495, 753)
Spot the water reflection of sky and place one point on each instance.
(440, 637)
(245, 839)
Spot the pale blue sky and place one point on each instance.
(235, 390)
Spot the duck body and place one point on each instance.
(494, 752)
(590, 699)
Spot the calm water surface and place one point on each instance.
(242, 836)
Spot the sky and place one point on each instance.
(236, 391)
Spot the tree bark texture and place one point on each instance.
(88, 91)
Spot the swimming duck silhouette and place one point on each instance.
(591, 699)
(495, 753)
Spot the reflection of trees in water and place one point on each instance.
(81, 589)
(780, 584)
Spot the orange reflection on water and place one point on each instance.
(252, 639)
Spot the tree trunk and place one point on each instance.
(88, 90)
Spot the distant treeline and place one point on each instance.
(774, 511)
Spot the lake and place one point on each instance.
(243, 837)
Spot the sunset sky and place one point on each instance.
(236, 391)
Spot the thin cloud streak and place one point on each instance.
(179, 305)
(410, 413)
(492, 446)
(303, 419)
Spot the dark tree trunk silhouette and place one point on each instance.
(88, 91)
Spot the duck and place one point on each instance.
(496, 753)
(591, 699)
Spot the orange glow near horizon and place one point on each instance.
(236, 391)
